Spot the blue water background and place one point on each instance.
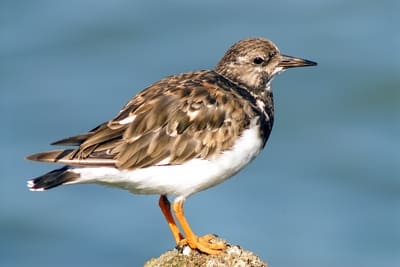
(324, 192)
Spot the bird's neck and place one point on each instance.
(265, 104)
(265, 101)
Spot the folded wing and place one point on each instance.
(167, 123)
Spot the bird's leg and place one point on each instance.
(165, 207)
(201, 243)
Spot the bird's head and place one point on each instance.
(254, 62)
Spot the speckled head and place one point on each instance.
(253, 63)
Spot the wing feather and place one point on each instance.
(193, 115)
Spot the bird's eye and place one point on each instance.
(258, 60)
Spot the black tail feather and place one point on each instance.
(52, 179)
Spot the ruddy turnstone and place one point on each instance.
(181, 135)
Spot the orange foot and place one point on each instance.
(204, 243)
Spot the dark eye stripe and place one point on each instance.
(271, 54)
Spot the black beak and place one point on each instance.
(293, 62)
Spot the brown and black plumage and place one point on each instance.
(183, 134)
(193, 115)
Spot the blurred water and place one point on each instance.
(325, 192)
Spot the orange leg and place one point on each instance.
(165, 207)
(201, 243)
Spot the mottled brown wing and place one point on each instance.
(179, 118)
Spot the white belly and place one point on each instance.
(179, 180)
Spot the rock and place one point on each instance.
(234, 256)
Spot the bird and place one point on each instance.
(181, 135)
